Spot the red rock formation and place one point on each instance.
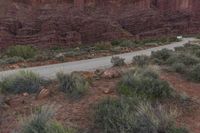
(46, 23)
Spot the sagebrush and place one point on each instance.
(145, 83)
(41, 121)
(131, 115)
(24, 81)
(75, 85)
(23, 51)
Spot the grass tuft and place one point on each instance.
(25, 52)
(41, 122)
(24, 81)
(144, 83)
(73, 85)
(117, 61)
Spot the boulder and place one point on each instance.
(111, 73)
(44, 93)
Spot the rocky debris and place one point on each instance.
(107, 91)
(25, 94)
(44, 93)
(111, 73)
(60, 56)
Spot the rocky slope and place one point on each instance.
(46, 23)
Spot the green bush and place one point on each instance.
(11, 60)
(156, 119)
(179, 68)
(21, 82)
(185, 58)
(144, 83)
(25, 52)
(188, 48)
(117, 61)
(116, 43)
(128, 43)
(194, 73)
(161, 40)
(73, 85)
(177, 130)
(141, 60)
(197, 53)
(41, 122)
(56, 127)
(115, 116)
(103, 46)
(161, 56)
(129, 115)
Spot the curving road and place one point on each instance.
(49, 71)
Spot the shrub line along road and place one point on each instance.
(49, 71)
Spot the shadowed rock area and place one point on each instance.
(46, 23)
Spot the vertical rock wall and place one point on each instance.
(62, 24)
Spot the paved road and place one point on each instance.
(49, 71)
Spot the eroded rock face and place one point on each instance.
(46, 23)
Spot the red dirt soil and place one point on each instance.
(78, 113)
(75, 113)
(190, 118)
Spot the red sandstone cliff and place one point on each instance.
(71, 22)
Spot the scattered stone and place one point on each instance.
(15, 66)
(77, 48)
(60, 56)
(107, 91)
(111, 73)
(25, 94)
(88, 75)
(43, 94)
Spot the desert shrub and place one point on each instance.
(24, 81)
(180, 49)
(179, 67)
(185, 58)
(128, 43)
(197, 53)
(138, 43)
(188, 48)
(56, 127)
(73, 85)
(177, 130)
(115, 116)
(11, 60)
(144, 83)
(194, 73)
(117, 61)
(25, 52)
(103, 46)
(141, 60)
(156, 119)
(161, 56)
(161, 40)
(41, 122)
(128, 115)
(115, 42)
